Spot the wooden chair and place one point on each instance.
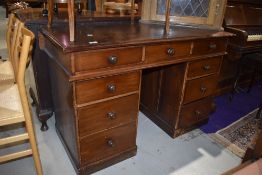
(71, 15)
(7, 74)
(14, 107)
(251, 62)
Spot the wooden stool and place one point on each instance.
(254, 63)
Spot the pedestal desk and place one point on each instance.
(99, 81)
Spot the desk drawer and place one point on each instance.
(108, 143)
(199, 88)
(167, 51)
(90, 60)
(195, 112)
(94, 118)
(96, 89)
(203, 67)
(209, 46)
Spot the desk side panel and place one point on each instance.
(62, 94)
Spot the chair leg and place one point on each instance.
(259, 112)
(32, 140)
(237, 77)
(252, 80)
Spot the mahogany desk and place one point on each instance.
(98, 84)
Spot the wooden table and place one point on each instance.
(100, 80)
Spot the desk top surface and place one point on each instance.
(118, 34)
(34, 16)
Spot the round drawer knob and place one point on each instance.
(111, 88)
(111, 115)
(197, 112)
(170, 51)
(110, 143)
(212, 46)
(206, 67)
(112, 59)
(203, 89)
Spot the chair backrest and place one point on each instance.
(9, 30)
(22, 55)
(22, 51)
(15, 51)
(12, 31)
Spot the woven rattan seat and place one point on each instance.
(10, 105)
(6, 72)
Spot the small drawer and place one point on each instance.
(209, 46)
(96, 89)
(108, 143)
(90, 60)
(203, 67)
(195, 112)
(170, 51)
(112, 113)
(199, 88)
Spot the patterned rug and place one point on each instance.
(240, 135)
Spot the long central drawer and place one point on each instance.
(100, 88)
(168, 51)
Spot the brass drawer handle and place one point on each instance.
(206, 67)
(203, 89)
(170, 51)
(110, 143)
(212, 46)
(111, 115)
(197, 112)
(111, 88)
(112, 60)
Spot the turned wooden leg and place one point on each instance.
(43, 116)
